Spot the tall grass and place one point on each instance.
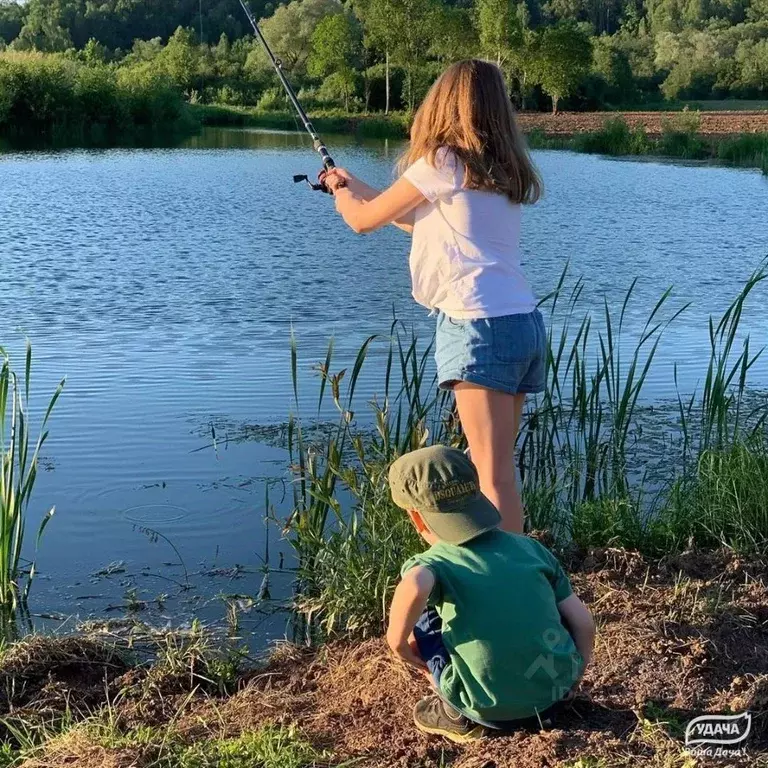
(19, 456)
(748, 149)
(588, 471)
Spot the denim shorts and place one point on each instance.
(507, 353)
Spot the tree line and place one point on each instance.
(383, 54)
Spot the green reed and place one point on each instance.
(19, 456)
(583, 452)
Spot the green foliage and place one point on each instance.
(454, 37)
(117, 23)
(11, 20)
(644, 50)
(679, 136)
(724, 503)
(180, 59)
(64, 99)
(289, 32)
(562, 56)
(19, 456)
(336, 45)
(499, 28)
(615, 138)
(612, 66)
(607, 522)
(750, 149)
(94, 53)
(8, 756)
(273, 99)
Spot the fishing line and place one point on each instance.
(317, 142)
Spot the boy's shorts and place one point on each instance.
(429, 639)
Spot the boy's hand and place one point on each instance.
(408, 603)
(406, 653)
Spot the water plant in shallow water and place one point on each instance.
(18, 472)
(598, 467)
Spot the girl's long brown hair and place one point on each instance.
(468, 111)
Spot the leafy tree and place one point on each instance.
(11, 20)
(380, 33)
(758, 11)
(144, 50)
(94, 52)
(561, 57)
(180, 59)
(523, 59)
(611, 64)
(753, 58)
(336, 44)
(455, 36)
(498, 27)
(289, 33)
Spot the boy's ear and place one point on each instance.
(418, 521)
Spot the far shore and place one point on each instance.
(738, 138)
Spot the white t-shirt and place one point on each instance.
(465, 256)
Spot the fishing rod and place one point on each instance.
(317, 142)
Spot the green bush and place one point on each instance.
(272, 99)
(55, 96)
(680, 136)
(615, 138)
(149, 96)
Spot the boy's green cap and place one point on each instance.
(441, 484)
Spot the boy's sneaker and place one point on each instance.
(433, 715)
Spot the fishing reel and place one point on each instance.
(320, 186)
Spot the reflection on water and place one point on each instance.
(165, 283)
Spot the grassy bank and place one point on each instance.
(677, 637)
(679, 139)
(679, 136)
(55, 99)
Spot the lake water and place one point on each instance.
(164, 284)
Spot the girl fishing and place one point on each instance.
(462, 182)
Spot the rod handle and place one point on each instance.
(328, 163)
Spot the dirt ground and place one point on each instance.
(712, 123)
(676, 639)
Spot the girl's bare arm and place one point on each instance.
(395, 205)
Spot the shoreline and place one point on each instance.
(678, 637)
(677, 135)
(732, 139)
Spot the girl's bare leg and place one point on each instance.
(491, 421)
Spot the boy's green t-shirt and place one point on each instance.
(510, 654)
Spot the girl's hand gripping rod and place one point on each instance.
(317, 142)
